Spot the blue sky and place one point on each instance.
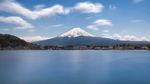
(42, 19)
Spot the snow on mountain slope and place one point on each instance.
(75, 32)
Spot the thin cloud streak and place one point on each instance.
(100, 22)
(16, 20)
(88, 7)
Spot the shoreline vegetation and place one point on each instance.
(10, 42)
(86, 47)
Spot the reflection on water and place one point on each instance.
(74, 67)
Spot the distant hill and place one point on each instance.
(12, 42)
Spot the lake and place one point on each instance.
(75, 67)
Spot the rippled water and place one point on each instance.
(74, 67)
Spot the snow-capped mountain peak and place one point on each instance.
(75, 32)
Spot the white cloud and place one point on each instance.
(137, 1)
(88, 7)
(129, 37)
(92, 27)
(14, 7)
(57, 25)
(34, 38)
(16, 20)
(99, 23)
(103, 22)
(124, 37)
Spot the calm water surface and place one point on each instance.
(74, 67)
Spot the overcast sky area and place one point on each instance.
(42, 19)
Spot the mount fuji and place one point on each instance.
(76, 32)
(79, 37)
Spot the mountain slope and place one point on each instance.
(83, 40)
(79, 37)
